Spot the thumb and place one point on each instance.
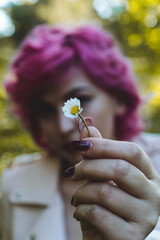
(93, 130)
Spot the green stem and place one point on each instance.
(84, 124)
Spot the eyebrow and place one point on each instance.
(75, 91)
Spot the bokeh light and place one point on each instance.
(4, 3)
(134, 40)
(152, 37)
(108, 8)
(7, 27)
(21, 2)
(150, 20)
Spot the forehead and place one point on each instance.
(74, 81)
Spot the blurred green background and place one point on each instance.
(134, 23)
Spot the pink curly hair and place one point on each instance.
(48, 52)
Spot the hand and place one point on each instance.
(121, 199)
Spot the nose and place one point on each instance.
(66, 125)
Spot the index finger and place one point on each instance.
(129, 151)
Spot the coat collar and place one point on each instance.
(35, 183)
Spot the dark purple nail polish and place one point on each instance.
(80, 145)
(69, 172)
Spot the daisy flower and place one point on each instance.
(72, 109)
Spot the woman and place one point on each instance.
(111, 182)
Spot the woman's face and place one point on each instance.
(97, 104)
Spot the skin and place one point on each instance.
(120, 196)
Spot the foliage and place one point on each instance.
(137, 31)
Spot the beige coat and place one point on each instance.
(32, 205)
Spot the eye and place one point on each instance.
(84, 99)
(44, 110)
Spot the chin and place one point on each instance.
(70, 160)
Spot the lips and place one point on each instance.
(63, 147)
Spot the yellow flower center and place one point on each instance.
(74, 110)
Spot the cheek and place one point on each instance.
(98, 111)
(103, 119)
(47, 129)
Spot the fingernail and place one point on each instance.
(80, 145)
(72, 200)
(69, 172)
(89, 122)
